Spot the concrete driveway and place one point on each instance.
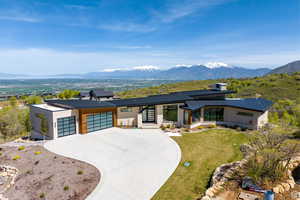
(134, 163)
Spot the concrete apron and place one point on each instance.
(134, 163)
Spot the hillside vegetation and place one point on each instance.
(272, 87)
(282, 89)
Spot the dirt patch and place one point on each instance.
(45, 175)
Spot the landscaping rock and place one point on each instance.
(210, 192)
(286, 186)
(276, 190)
(247, 196)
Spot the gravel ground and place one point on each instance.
(48, 175)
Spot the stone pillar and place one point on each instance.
(139, 119)
(159, 114)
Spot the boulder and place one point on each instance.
(276, 190)
(291, 182)
(286, 186)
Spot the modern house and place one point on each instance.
(182, 109)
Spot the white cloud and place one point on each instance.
(184, 8)
(127, 27)
(146, 67)
(79, 7)
(134, 47)
(19, 18)
(142, 67)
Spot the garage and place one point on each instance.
(66, 126)
(99, 121)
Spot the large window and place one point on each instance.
(196, 116)
(213, 114)
(126, 109)
(170, 113)
(186, 117)
(66, 126)
(247, 114)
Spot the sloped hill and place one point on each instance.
(273, 87)
(288, 68)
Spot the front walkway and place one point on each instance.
(134, 163)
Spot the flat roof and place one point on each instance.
(175, 97)
(255, 104)
(48, 107)
(79, 104)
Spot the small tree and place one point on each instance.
(43, 125)
(33, 100)
(271, 154)
(13, 101)
(10, 125)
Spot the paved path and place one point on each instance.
(134, 163)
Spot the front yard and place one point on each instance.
(45, 175)
(205, 151)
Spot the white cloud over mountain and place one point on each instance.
(212, 65)
(142, 68)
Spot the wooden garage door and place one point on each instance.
(99, 121)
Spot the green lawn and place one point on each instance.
(206, 151)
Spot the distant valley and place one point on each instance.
(180, 72)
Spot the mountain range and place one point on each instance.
(288, 68)
(214, 70)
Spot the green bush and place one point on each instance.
(297, 134)
(37, 153)
(16, 157)
(80, 172)
(270, 157)
(66, 188)
(21, 148)
(42, 195)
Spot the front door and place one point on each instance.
(148, 114)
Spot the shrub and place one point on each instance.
(21, 148)
(200, 127)
(42, 195)
(0, 153)
(37, 153)
(212, 126)
(66, 188)
(80, 172)
(297, 134)
(185, 130)
(270, 155)
(16, 157)
(162, 127)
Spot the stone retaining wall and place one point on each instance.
(8, 175)
(221, 176)
(290, 182)
(225, 171)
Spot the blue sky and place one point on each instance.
(77, 36)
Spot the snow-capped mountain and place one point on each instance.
(211, 70)
(212, 65)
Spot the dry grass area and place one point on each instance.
(45, 175)
(206, 151)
